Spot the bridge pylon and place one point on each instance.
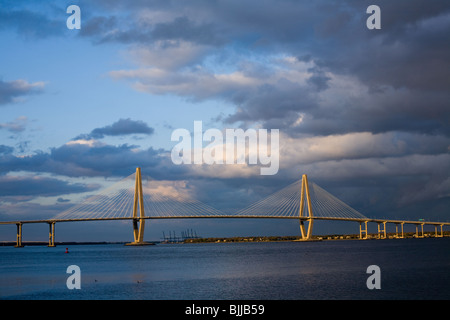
(306, 234)
(138, 221)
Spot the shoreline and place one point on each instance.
(62, 243)
(338, 237)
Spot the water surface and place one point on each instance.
(410, 269)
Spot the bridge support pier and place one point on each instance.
(422, 235)
(417, 231)
(19, 235)
(382, 230)
(51, 234)
(396, 230)
(361, 230)
(442, 233)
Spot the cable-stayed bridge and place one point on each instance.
(134, 199)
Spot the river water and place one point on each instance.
(409, 269)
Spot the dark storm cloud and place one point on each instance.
(404, 66)
(411, 40)
(401, 72)
(119, 128)
(318, 79)
(273, 101)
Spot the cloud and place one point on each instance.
(88, 158)
(164, 190)
(6, 149)
(33, 185)
(139, 27)
(183, 28)
(14, 91)
(389, 183)
(18, 125)
(29, 22)
(236, 86)
(347, 156)
(361, 145)
(345, 78)
(167, 54)
(119, 128)
(356, 80)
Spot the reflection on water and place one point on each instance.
(410, 269)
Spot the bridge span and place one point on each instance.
(303, 201)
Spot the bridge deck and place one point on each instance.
(361, 220)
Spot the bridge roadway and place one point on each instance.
(381, 229)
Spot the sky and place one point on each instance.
(363, 112)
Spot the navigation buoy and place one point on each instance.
(67, 250)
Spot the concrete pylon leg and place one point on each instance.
(306, 234)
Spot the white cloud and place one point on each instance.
(175, 190)
(90, 143)
(359, 145)
(344, 156)
(160, 72)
